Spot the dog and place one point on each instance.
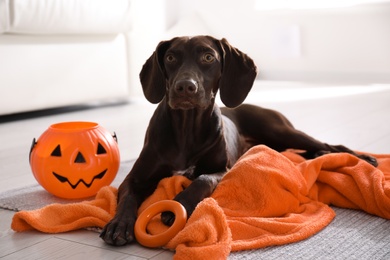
(190, 135)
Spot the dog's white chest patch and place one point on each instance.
(189, 172)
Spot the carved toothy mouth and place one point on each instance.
(63, 179)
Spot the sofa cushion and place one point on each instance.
(4, 16)
(65, 16)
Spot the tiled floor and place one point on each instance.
(357, 116)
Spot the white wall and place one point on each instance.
(345, 44)
(148, 26)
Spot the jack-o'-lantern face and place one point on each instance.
(80, 161)
(75, 159)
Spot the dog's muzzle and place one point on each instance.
(186, 87)
(185, 94)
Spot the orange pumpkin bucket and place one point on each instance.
(73, 160)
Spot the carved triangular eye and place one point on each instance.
(100, 149)
(79, 158)
(57, 151)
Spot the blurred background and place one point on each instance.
(62, 52)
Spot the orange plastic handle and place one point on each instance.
(163, 238)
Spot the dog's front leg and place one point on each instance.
(202, 187)
(120, 230)
(138, 185)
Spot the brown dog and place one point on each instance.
(190, 135)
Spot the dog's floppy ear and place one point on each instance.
(238, 74)
(152, 75)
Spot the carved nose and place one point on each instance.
(186, 87)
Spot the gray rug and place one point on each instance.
(351, 235)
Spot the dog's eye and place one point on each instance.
(208, 57)
(170, 58)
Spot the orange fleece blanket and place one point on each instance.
(267, 198)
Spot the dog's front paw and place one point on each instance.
(118, 232)
(168, 218)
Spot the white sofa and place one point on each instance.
(57, 53)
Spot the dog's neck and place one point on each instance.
(194, 125)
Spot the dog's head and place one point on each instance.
(190, 70)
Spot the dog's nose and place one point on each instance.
(186, 87)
